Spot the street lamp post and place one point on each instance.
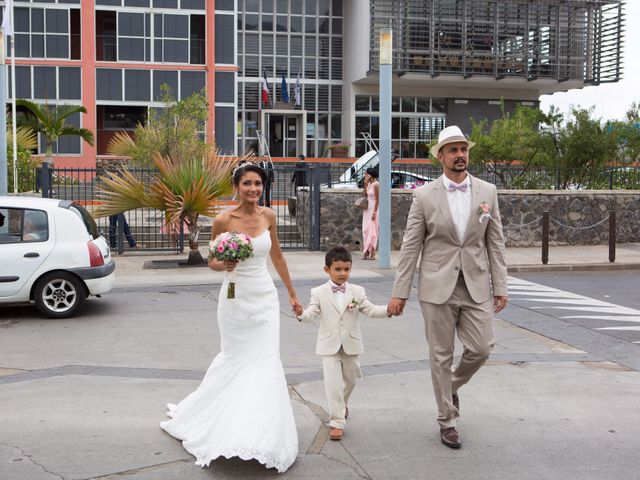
(3, 119)
(384, 207)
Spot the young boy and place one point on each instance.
(337, 305)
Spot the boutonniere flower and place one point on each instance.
(351, 306)
(484, 210)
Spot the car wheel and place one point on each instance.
(59, 295)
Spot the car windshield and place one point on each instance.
(87, 219)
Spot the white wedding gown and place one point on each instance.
(242, 407)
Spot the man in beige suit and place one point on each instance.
(455, 232)
(337, 305)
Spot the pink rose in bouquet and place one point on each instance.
(233, 246)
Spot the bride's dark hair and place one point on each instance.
(239, 172)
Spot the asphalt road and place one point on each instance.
(598, 312)
(82, 398)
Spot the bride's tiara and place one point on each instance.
(246, 164)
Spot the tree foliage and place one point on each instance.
(184, 189)
(26, 140)
(584, 149)
(173, 130)
(513, 144)
(51, 122)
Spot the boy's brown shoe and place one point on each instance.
(336, 433)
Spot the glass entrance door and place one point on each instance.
(291, 136)
(283, 133)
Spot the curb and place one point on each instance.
(575, 267)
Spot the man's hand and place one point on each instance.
(396, 306)
(499, 302)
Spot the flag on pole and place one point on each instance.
(265, 89)
(7, 18)
(298, 91)
(284, 90)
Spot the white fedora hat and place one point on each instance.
(450, 134)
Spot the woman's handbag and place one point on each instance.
(362, 202)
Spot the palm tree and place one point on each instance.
(51, 123)
(184, 189)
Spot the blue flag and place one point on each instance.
(284, 90)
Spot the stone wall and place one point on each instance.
(572, 216)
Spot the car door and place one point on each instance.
(26, 240)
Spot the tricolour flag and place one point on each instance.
(265, 89)
(284, 90)
(298, 92)
(7, 18)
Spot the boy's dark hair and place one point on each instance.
(337, 254)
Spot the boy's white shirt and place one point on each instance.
(339, 327)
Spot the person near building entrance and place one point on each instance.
(299, 178)
(265, 200)
(454, 227)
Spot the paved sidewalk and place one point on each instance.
(82, 398)
(305, 265)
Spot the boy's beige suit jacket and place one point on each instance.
(339, 327)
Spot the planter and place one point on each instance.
(339, 152)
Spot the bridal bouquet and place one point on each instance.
(231, 246)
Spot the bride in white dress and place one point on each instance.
(242, 407)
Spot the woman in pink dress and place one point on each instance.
(370, 225)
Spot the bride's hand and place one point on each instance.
(296, 306)
(230, 265)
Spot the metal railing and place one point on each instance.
(146, 229)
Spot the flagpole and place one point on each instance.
(14, 120)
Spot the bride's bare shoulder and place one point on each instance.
(269, 213)
(220, 223)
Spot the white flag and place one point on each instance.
(7, 18)
(298, 91)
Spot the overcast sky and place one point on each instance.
(611, 100)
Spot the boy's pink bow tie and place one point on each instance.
(454, 186)
(338, 288)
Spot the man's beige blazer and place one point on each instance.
(430, 238)
(339, 327)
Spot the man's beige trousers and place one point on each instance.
(474, 325)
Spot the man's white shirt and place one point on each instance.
(459, 205)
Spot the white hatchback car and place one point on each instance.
(51, 253)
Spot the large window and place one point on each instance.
(141, 36)
(415, 122)
(295, 39)
(47, 32)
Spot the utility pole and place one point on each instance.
(384, 208)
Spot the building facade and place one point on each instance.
(453, 60)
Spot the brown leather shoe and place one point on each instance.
(336, 433)
(450, 437)
(456, 401)
(346, 412)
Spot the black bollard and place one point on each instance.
(612, 236)
(545, 238)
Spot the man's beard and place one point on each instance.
(459, 166)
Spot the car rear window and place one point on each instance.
(87, 219)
